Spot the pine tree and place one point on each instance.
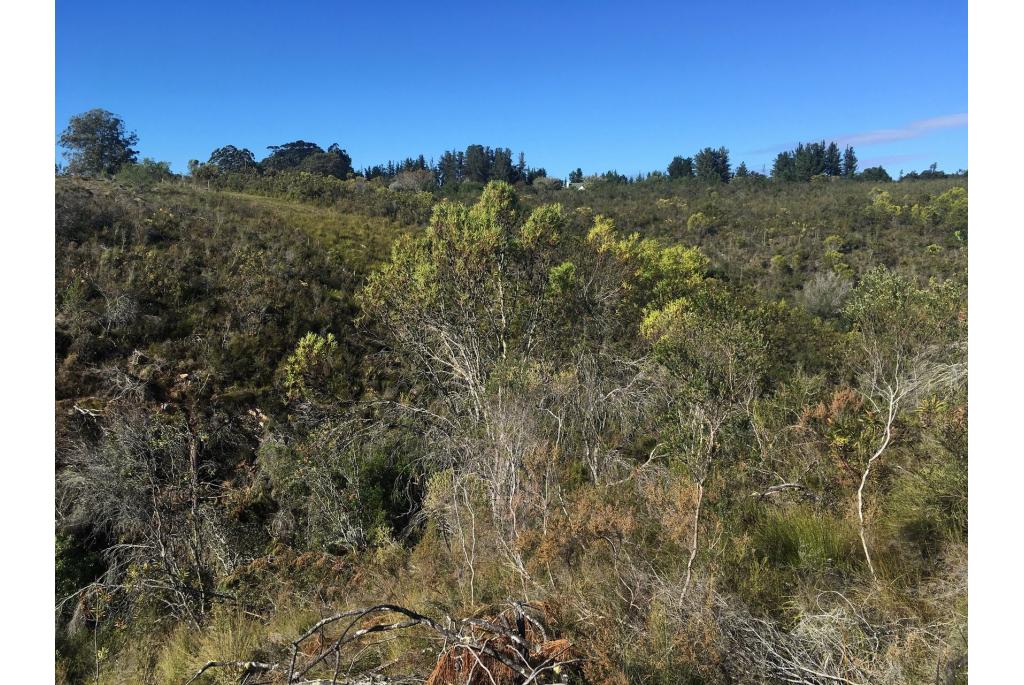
(478, 163)
(713, 165)
(849, 162)
(784, 167)
(809, 160)
(819, 158)
(501, 167)
(681, 167)
(449, 171)
(833, 163)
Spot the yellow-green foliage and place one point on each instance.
(833, 242)
(951, 207)
(883, 209)
(833, 256)
(779, 263)
(947, 211)
(307, 370)
(562, 277)
(698, 222)
(665, 272)
(543, 226)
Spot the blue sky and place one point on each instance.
(599, 85)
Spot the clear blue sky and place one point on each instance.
(600, 85)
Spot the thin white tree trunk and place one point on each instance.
(696, 532)
(864, 479)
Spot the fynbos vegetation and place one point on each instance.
(459, 423)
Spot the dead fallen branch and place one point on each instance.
(518, 653)
(249, 668)
(510, 648)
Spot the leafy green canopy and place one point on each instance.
(303, 156)
(96, 143)
(491, 286)
(231, 159)
(493, 318)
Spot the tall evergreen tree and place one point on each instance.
(680, 167)
(478, 164)
(371, 172)
(713, 165)
(449, 169)
(833, 162)
(784, 167)
(849, 162)
(501, 167)
(576, 176)
(818, 158)
(533, 174)
(809, 160)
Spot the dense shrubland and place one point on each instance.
(775, 236)
(717, 431)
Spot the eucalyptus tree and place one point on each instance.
(232, 159)
(96, 142)
(289, 155)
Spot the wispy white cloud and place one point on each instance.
(915, 129)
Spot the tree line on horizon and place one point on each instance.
(97, 143)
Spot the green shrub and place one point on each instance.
(307, 370)
(883, 209)
(951, 210)
(698, 223)
(145, 174)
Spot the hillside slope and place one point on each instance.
(708, 434)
